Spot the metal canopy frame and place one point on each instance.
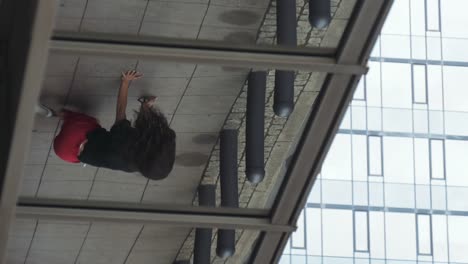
(185, 219)
(193, 52)
(345, 66)
(26, 27)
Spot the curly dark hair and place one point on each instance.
(153, 148)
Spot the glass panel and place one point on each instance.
(418, 48)
(360, 93)
(399, 195)
(334, 260)
(434, 86)
(396, 91)
(338, 164)
(337, 192)
(439, 236)
(453, 91)
(456, 198)
(314, 260)
(434, 49)
(361, 231)
(420, 120)
(346, 122)
(437, 148)
(397, 120)
(439, 197)
(452, 49)
(388, 43)
(398, 19)
(423, 196)
(298, 237)
(314, 231)
(419, 84)
(458, 227)
(285, 259)
(373, 85)
(377, 234)
(424, 234)
(456, 162)
(376, 197)
(456, 123)
(398, 160)
(337, 223)
(400, 233)
(359, 119)
(361, 194)
(359, 144)
(361, 260)
(436, 122)
(421, 159)
(433, 15)
(299, 259)
(374, 153)
(316, 193)
(374, 118)
(418, 18)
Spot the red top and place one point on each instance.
(74, 130)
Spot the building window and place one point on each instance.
(437, 158)
(424, 234)
(360, 93)
(419, 72)
(361, 231)
(433, 15)
(374, 155)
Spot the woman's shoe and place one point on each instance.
(44, 111)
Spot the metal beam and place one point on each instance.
(151, 217)
(326, 52)
(154, 49)
(141, 207)
(27, 32)
(323, 122)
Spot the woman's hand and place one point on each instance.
(130, 75)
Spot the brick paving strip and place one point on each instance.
(280, 133)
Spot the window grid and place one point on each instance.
(434, 132)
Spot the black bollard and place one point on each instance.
(283, 103)
(226, 244)
(255, 135)
(202, 248)
(319, 13)
(286, 22)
